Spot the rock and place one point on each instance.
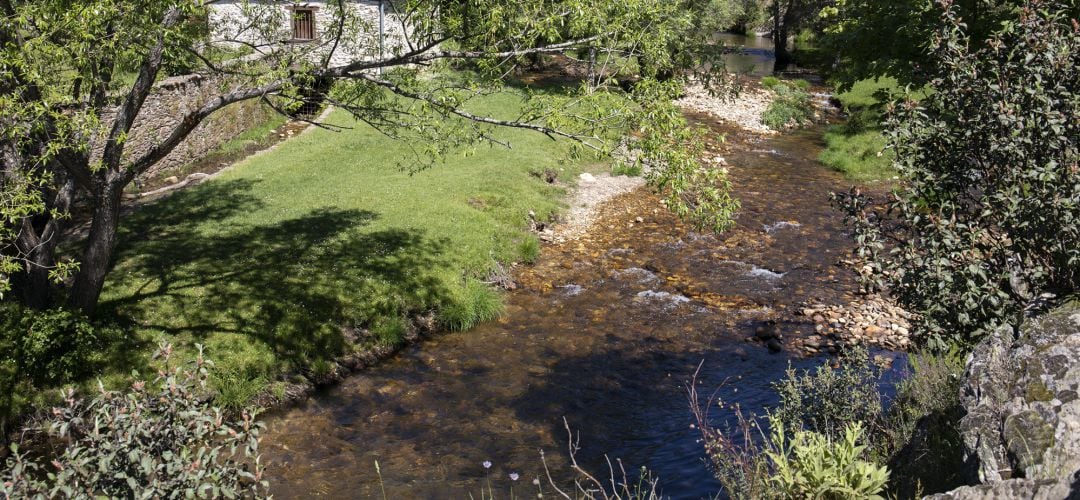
(197, 176)
(819, 318)
(639, 220)
(774, 345)
(587, 177)
(1023, 419)
(1045, 489)
(172, 179)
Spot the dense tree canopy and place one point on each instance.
(76, 73)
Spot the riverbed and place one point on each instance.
(604, 332)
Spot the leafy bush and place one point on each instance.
(915, 434)
(51, 346)
(828, 401)
(812, 465)
(158, 440)
(790, 107)
(988, 214)
(770, 82)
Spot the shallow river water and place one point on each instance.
(605, 331)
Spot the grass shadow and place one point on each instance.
(268, 297)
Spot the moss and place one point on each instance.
(1036, 390)
(1027, 437)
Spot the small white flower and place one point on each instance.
(486, 464)
(514, 476)
(536, 481)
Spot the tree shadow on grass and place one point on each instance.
(190, 265)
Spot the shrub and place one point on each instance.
(987, 217)
(52, 346)
(159, 439)
(42, 349)
(828, 400)
(790, 107)
(769, 82)
(812, 465)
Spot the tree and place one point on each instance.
(788, 17)
(987, 217)
(75, 73)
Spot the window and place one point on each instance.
(303, 23)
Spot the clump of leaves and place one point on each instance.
(987, 217)
(791, 107)
(812, 465)
(160, 439)
(827, 401)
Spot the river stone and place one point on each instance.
(1023, 417)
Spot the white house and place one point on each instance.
(371, 29)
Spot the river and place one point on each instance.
(604, 332)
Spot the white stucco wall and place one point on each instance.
(231, 22)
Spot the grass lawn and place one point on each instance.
(266, 263)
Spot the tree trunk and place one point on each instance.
(97, 255)
(780, 37)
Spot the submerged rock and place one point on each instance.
(1022, 428)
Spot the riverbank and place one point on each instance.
(320, 257)
(602, 329)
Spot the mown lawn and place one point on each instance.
(265, 264)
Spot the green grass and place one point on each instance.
(856, 148)
(790, 106)
(860, 156)
(265, 264)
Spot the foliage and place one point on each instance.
(812, 465)
(473, 304)
(914, 433)
(160, 439)
(986, 218)
(921, 435)
(52, 346)
(790, 107)
(870, 38)
(45, 348)
(65, 89)
(828, 400)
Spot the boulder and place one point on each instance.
(1021, 430)
(1045, 489)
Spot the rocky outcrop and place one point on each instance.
(1046, 489)
(1022, 428)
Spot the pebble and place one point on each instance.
(871, 320)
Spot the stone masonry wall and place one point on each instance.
(171, 99)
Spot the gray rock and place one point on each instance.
(1023, 414)
(1045, 489)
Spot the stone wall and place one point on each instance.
(171, 99)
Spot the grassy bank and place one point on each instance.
(277, 264)
(856, 147)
